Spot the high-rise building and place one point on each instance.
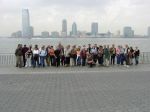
(128, 32)
(148, 32)
(45, 34)
(55, 34)
(64, 28)
(27, 30)
(74, 29)
(94, 29)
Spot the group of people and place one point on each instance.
(91, 55)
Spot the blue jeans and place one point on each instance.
(118, 59)
(136, 60)
(78, 61)
(122, 58)
(42, 61)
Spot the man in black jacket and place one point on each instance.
(24, 50)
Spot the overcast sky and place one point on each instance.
(47, 15)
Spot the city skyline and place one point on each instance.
(47, 15)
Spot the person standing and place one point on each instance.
(19, 54)
(36, 56)
(95, 49)
(78, 59)
(136, 55)
(24, 50)
(113, 54)
(42, 54)
(29, 57)
(106, 55)
(100, 55)
(57, 56)
(118, 55)
(52, 56)
(48, 56)
(127, 51)
(131, 55)
(73, 56)
(67, 56)
(122, 56)
(83, 56)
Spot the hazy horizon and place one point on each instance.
(47, 15)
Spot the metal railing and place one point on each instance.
(10, 59)
(7, 59)
(145, 58)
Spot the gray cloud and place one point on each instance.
(69, 3)
(48, 14)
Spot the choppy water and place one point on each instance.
(8, 45)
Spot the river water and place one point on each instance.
(8, 45)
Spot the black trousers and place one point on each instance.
(113, 59)
(95, 58)
(83, 61)
(67, 61)
(57, 61)
(100, 60)
(24, 61)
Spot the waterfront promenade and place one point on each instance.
(75, 89)
(11, 69)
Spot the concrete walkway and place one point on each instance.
(113, 89)
(51, 70)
